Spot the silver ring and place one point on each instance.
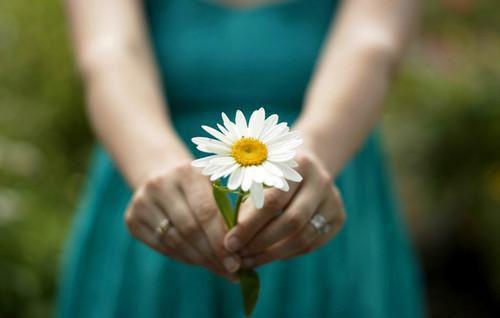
(162, 227)
(318, 221)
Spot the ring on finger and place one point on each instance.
(162, 227)
(319, 223)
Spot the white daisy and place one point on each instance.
(252, 154)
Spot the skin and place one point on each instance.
(130, 116)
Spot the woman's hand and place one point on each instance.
(282, 228)
(195, 228)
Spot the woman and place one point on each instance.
(154, 72)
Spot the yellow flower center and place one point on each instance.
(249, 151)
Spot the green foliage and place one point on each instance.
(44, 145)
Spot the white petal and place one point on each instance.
(217, 134)
(223, 160)
(215, 148)
(289, 173)
(256, 123)
(241, 123)
(277, 131)
(292, 135)
(204, 141)
(231, 127)
(273, 181)
(278, 182)
(284, 147)
(257, 195)
(272, 168)
(259, 174)
(290, 163)
(223, 171)
(209, 170)
(269, 123)
(229, 134)
(247, 180)
(284, 156)
(269, 180)
(231, 169)
(285, 186)
(236, 178)
(204, 144)
(203, 162)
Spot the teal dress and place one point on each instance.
(213, 59)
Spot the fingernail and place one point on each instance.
(233, 244)
(231, 264)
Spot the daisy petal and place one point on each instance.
(203, 162)
(217, 134)
(236, 178)
(223, 171)
(210, 170)
(281, 156)
(229, 134)
(257, 195)
(285, 186)
(269, 123)
(292, 135)
(231, 127)
(203, 140)
(230, 170)
(215, 148)
(272, 168)
(259, 174)
(241, 123)
(277, 131)
(289, 173)
(290, 163)
(256, 123)
(284, 147)
(247, 180)
(223, 160)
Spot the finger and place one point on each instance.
(150, 213)
(300, 210)
(143, 232)
(251, 220)
(309, 238)
(173, 241)
(198, 193)
(335, 218)
(142, 218)
(171, 200)
(151, 216)
(292, 245)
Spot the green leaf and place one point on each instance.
(223, 204)
(250, 286)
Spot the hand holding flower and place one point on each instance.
(282, 228)
(178, 203)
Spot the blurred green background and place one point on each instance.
(442, 129)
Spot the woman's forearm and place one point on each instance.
(124, 98)
(345, 96)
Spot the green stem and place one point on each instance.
(239, 200)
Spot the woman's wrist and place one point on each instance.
(313, 148)
(154, 160)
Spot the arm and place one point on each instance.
(342, 104)
(125, 102)
(128, 113)
(345, 97)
